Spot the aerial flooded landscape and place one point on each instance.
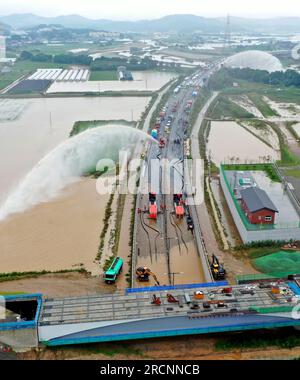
(149, 183)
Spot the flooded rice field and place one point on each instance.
(177, 60)
(244, 102)
(45, 123)
(11, 109)
(265, 132)
(229, 142)
(63, 232)
(288, 111)
(143, 81)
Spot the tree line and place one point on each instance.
(99, 64)
(71, 59)
(226, 76)
(286, 78)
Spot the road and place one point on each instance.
(165, 245)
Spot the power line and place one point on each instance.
(227, 36)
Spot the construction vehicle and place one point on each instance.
(199, 295)
(157, 123)
(162, 143)
(227, 291)
(143, 274)
(194, 305)
(154, 134)
(113, 271)
(152, 206)
(217, 269)
(206, 305)
(178, 205)
(175, 107)
(162, 115)
(156, 300)
(172, 299)
(188, 106)
(190, 223)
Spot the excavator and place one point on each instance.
(217, 269)
(143, 274)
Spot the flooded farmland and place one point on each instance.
(143, 81)
(61, 234)
(228, 141)
(45, 123)
(39, 238)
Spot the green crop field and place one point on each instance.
(104, 75)
(262, 106)
(226, 109)
(283, 94)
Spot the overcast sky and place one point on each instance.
(145, 9)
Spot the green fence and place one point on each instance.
(253, 277)
(275, 309)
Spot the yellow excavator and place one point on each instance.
(217, 269)
(143, 274)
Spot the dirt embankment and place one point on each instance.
(59, 285)
(190, 348)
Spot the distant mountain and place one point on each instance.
(4, 28)
(177, 23)
(27, 20)
(272, 25)
(165, 24)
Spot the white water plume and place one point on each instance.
(68, 162)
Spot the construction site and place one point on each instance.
(177, 286)
(142, 313)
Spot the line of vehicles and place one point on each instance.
(179, 209)
(156, 205)
(143, 273)
(152, 206)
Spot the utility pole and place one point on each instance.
(173, 274)
(227, 36)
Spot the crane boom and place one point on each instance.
(143, 274)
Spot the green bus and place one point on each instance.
(113, 271)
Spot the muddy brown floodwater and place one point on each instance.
(61, 234)
(42, 124)
(229, 140)
(185, 264)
